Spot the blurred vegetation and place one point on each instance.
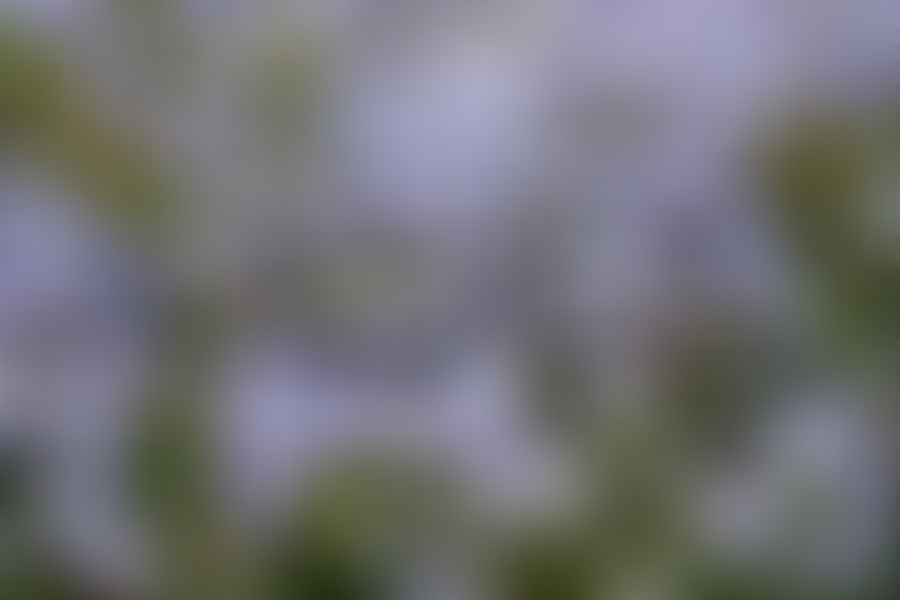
(819, 167)
(45, 115)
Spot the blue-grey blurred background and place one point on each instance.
(449, 300)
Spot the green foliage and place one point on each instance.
(46, 115)
(548, 567)
(30, 90)
(820, 168)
